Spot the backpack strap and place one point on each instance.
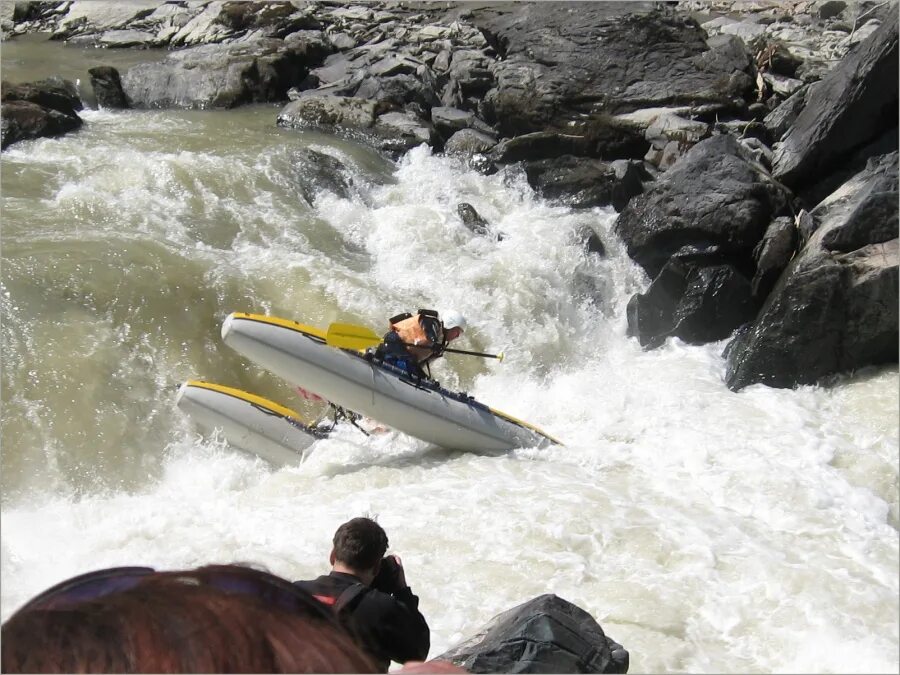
(348, 597)
(398, 318)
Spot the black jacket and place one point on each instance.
(389, 627)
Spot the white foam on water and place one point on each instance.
(706, 530)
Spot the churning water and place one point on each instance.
(705, 530)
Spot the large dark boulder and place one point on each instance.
(544, 635)
(22, 120)
(223, 76)
(54, 93)
(835, 308)
(569, 65)
(38, 109)
(107, 85)
(852, 106)
(696, 297)
(716, 196)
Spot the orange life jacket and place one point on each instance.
(415, 331)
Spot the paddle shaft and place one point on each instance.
(455, 351)
(350, 336)
(463, 351)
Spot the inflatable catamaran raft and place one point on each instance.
(301, 355)
(247, 421)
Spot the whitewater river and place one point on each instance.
(705, 530)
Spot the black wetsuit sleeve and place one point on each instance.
(402, 632)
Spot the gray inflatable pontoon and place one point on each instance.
(247, 421)
(420, 408)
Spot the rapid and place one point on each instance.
(707, 531)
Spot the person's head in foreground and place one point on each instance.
(218, 618)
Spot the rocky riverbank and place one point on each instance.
(750, 147)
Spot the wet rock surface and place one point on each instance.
(38, 109)
(834, 309)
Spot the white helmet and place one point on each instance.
(453, 319)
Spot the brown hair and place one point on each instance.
(174, 622)
(360, 543)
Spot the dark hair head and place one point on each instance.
(176, 622)
(360, 543)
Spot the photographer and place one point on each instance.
(369, 595)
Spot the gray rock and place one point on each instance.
(221, 21)
(126, 38)
(447, 121)
(569, 69)
(399, 90)
(341, 41)
(781, 85)
(222, 76)
(399, 132)
(671, 136)
(328, 113)
(203, 28)
(670, 127)
(394, 64)
(450, 120)
(347, 15)
(335, 68)
(758, 150)
(100, 16)
(470, 78)
(862, 87)
(833, 310)
(748, 31)
(469, 142)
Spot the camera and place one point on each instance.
(388, 578)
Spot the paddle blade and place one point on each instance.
(351, 336)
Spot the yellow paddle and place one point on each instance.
(351, 336)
